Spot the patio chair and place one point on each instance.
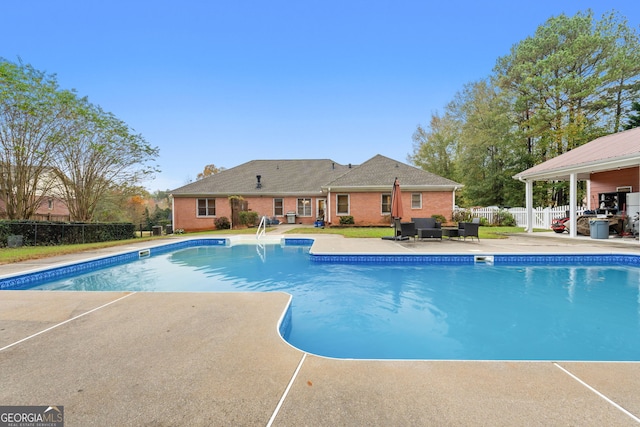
(407, 230)
(468, 229)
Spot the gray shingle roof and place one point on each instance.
(300, 177)
(309, 177)
(381, 171)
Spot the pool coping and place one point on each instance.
(258, 379)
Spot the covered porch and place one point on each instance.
(608, 164)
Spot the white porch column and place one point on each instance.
(573, 197)
(329, 206)
(529, 205)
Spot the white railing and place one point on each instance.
(262, 228)
(542, 217)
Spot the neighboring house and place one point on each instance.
(51, 206)
(312, 190)
(609, 164)
(50, 209)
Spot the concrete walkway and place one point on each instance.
(209, 359)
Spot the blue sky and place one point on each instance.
(228, 82)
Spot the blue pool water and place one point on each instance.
(409, 310)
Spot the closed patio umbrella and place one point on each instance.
(396, 205)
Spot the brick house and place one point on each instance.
(313, 189)
(51, 205)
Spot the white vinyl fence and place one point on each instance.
(542, 217)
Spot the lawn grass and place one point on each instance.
(24, 253)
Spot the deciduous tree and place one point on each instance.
(54, 143)
(209, 170)
(32, 112)
(99, 153)
(434, 147)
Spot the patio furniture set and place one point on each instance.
(429, 228)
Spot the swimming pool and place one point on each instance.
(523, 307)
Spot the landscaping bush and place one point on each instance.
(346, 220)
(462, 215)
(439, 218)
(222, 223)
(249, 218)
(504, 218)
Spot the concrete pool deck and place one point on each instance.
(205, 359)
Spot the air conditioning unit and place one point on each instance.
(626, 189)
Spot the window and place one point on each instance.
(386, 204)
(278, 207)
(206, 207)
(50, 204)
(416, 201)
(342, 201)
(304, 207)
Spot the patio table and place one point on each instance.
(449, 232)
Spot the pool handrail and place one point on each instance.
(262, 227)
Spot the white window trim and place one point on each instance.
(419, 207)
(348, 205)
(198, 207)
(381, 197)
(274, 206)
(310, 205)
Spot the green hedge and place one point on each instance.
(43, 233)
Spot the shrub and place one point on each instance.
(461, 215)
(222, 223)
(248, 218)
(439, 218)
(346, 220)
(504, 218)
